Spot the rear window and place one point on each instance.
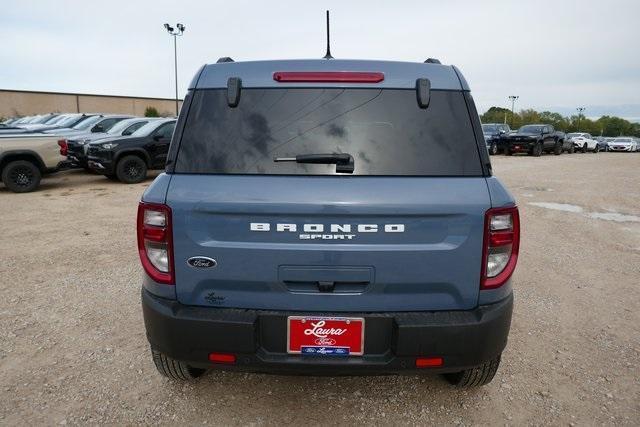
(384, 131)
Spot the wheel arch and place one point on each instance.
(28, 155)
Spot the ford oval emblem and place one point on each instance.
(202, 262)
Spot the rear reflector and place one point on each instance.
(428, 362)
(328, 77)
(222, 358)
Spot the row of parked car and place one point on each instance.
(124, 147)
(536, 139)
(120, 147)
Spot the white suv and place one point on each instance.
(583, 142)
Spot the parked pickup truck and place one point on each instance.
(25, 158)
(536, 139)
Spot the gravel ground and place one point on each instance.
(73, 350)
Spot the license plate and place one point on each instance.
(325, 336)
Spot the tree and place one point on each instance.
(496, 115)
(554, 119)
(151, 112)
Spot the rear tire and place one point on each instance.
(493, 149)
(475, 377)
(572, 149)
(596, 150)
(584, 148)
(131, 169)
(557, 149)
(174, 369)
(21, 176)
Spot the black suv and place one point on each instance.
(494, 136)
(127, 159)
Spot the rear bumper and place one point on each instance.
(76, 155)
(77, 161)
(392, 340)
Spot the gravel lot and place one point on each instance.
(73, 350)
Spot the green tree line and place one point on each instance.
(604, 126)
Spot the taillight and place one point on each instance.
(64, 148)
(501, 245)
(328, 77)
(155, 241)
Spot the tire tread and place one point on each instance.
(174, 369)
(477, 376)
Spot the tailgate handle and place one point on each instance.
(326, 286)
(326, 279)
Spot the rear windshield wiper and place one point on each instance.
(343, 161)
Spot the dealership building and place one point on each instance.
(25, 103)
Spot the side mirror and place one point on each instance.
(157, 137)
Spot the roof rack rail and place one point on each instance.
(225, 59)
(432, 61)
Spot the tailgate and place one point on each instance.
(336, 244)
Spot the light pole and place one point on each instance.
(580, 110)
(513, 102)
(175, 32)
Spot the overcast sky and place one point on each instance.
(553, 54)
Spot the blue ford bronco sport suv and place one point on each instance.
(328, 217)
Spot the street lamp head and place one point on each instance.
(175, 32)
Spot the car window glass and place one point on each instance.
(134, 127)
(108, 123)
(384, 130)
(166, 130)
(87, 123)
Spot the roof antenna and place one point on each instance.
(328, 55)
